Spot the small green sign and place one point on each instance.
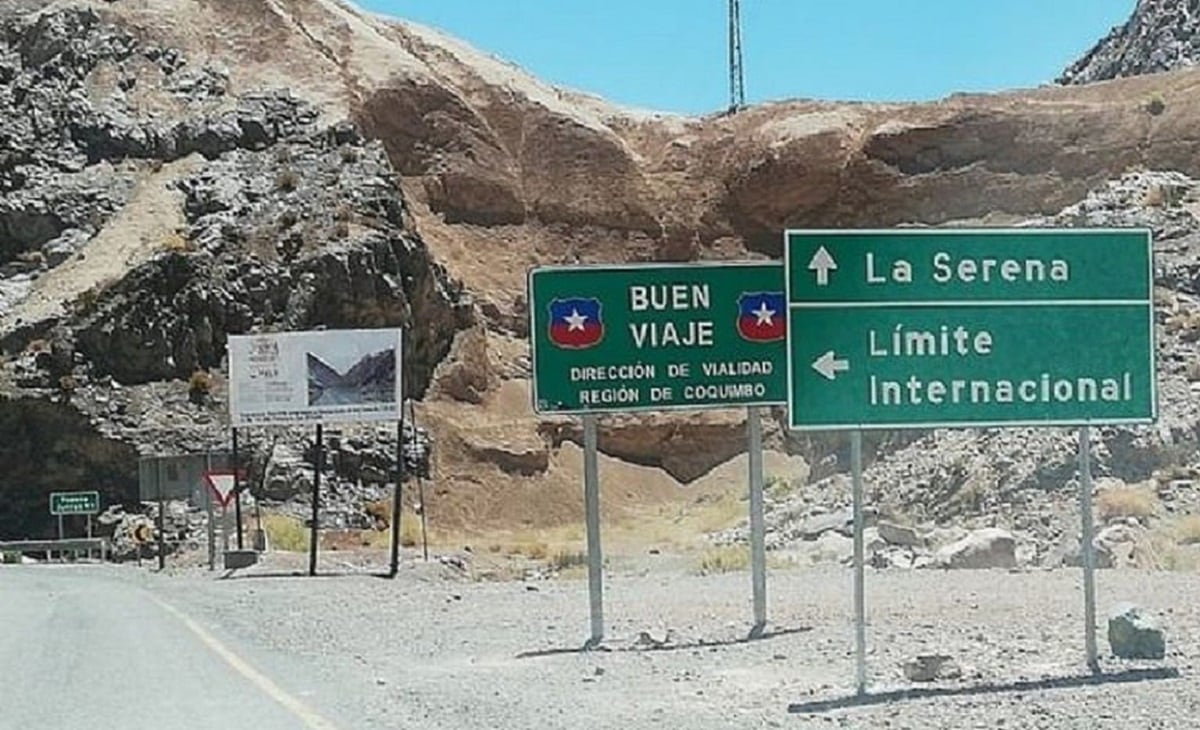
(74, 503)
(946, 327)
(657, 337)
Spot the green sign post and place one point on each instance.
(657, 337)
(74, 503)
(953, 327)
(615, 339)
(947, 327)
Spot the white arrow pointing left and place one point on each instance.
(829, 365)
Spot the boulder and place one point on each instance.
(814, 527)
(1119, 543)
(990, 547)
(931, 667)
(832, 547)
(1069, 554)
(1135, 634)
(900, 534)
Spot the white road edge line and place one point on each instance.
(302, 711)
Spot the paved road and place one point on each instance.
(81, 648)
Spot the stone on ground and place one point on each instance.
(1135, 634)
(931, 667)
(990, 547)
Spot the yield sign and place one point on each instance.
(222, 484)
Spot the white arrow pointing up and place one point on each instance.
(822, 263)
(829, 365)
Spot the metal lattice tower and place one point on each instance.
(737, 83)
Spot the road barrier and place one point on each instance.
(49, 547)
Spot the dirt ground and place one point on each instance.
(435, 648)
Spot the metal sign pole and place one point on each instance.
(860, 619)
(412, 410)
(237, 491)
(316, 501)
(61, 553)
(89, 534)
(208, 509)
(397, 497)
(1089, 548)
(591, 504)
(162, 515)
(758, 551)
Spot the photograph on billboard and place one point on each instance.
(314, 377)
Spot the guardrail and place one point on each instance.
(75, 546)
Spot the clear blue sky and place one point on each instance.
(671, 54)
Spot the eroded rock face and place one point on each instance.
(48, 447)
(1161, 35)
(287, 220)
(686, 448)
(290, 223)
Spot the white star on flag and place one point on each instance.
(575, 320)
(764, 315)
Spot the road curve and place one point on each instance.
(79, 649)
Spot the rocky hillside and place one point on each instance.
(174, 172)
(1161, 35)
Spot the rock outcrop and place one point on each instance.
(149, 213)
(173, 173)
(1161, 35)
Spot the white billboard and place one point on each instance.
(298, 378)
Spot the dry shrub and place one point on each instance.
(1156, 105)
(410, 529)
(1187, 530)
(1122, 502)
(200, 386)
(285, 533)
(566, 559)
(381, 511)
(176, 243)
(534, 550)
(724, 559)
(287, 180)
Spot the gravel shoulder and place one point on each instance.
(429, 650)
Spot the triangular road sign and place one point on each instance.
(222, 484)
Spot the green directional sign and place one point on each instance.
(74, 503)
(657, 337)
(952, 327)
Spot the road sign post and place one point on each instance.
(758, 553)
(860, 613)
(74, 503)
(930, 328)
(658, 337)
(1088, 549)
(162, 515)
(591, 504)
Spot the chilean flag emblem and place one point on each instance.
(761, 317)
(575, 323)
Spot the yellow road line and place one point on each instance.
(302, 711)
